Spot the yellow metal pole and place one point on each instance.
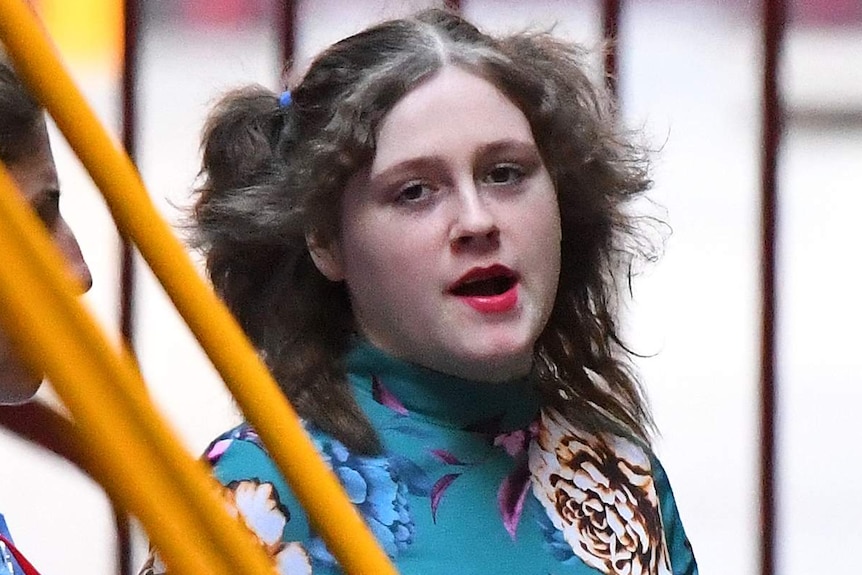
(151, 473)
(263, 404)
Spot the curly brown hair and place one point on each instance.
(273, 174)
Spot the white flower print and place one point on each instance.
(258, 505)
(598, 491)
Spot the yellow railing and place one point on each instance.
(147, 470)
(149, 473)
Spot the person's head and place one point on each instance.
(26, 153)
(455, 198)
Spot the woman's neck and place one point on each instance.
(445, 399)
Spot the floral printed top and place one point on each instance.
(474, 480)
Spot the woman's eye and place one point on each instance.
(413, 192)
(504, 174)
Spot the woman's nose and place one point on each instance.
(475, 224)
(68, 244)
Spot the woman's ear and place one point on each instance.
(326, 257)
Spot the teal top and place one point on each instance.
(474, 479)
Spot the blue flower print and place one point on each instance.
(373, 485)
(554, 541)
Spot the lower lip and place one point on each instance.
(495, 303)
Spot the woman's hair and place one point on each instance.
(273, 174)
(21, 117)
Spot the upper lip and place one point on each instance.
(483, 273)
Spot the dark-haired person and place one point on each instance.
(25, 151)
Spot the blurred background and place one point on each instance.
(690, 79)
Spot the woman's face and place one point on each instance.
(450, 241)
(36, 178)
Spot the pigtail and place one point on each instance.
(240, 137)
(250, 220)
(235, 212)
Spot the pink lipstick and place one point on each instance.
(488, 290)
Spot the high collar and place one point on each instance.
(447, 400)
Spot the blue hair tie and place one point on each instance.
(285, 99)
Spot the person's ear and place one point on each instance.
(326, 257)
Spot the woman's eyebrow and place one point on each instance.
(433, 160)
(410, 164)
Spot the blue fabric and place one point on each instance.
(474, 479)
(6, 558)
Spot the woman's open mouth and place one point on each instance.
(489, 290)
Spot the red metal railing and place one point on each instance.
(774, 17)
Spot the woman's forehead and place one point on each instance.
(453, 109)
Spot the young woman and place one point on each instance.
(424, 238)
(26, 154)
